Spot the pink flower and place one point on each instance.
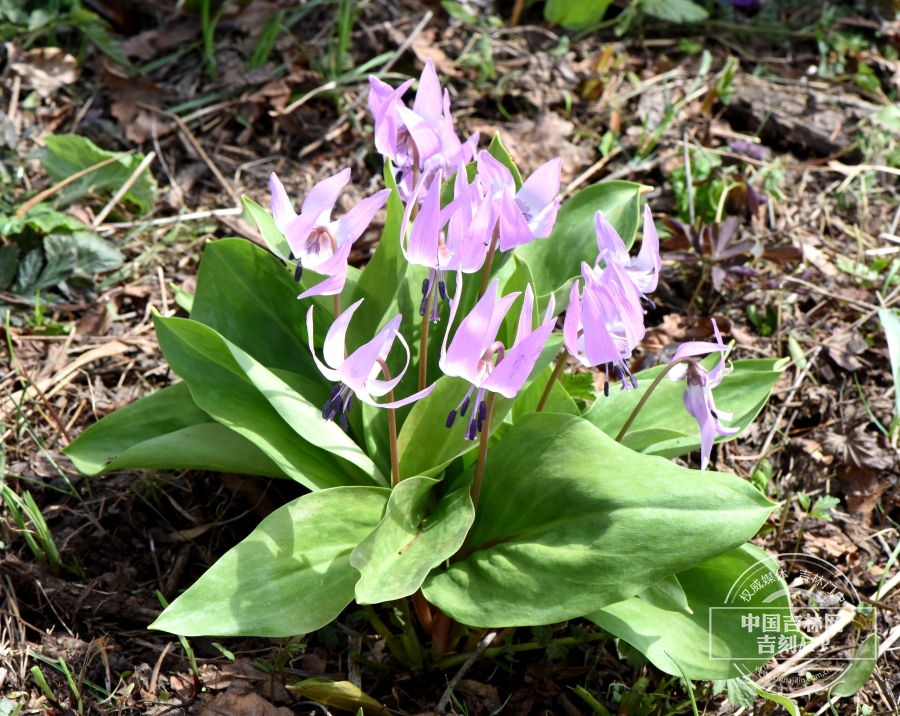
(422, 137)
(604, 324)
(529, 213)
(472, 350)
(643, 269)
(698, 397)
(357, 373)
(317, 242)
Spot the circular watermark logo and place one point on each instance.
(791, 624)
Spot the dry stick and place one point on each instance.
(486, 271)
(646, 396)
(192, 140)
(117, 197)
(166, 220)
(39, 197)
(516, 13)
(14, 99)
(557, 373)
(392, 428)
(482, 450)
(485, 643)
(50, 408)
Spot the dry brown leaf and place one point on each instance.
(242, 705)
(862, 487)
(813, 449)
(844, 347)
(858, 448)
(425, 48)
(45, 69)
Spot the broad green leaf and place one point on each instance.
(9, 264)
(674, 10)
(558, 258)
(667, 594)
(68, 153)
(427, 446)
(725, 650)
(304, 416)
(93, 253)
(250, 298)
(291, 576)
(166, 431)
(274, 239)
(575, 15)
(44, 219)
(411, 539)
(339, 695)
(664, 427)
(860, 670)
(890, 321)
(570, 521)
(219, 384)
(498, 152)
(382, 278)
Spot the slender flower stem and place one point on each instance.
(423, 345)
(392, 428)
(482, 450)
(337, 305)
(557, 374)
(646, 396)
(488, 262)
(423, 612)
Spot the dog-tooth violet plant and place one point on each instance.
(456, 474)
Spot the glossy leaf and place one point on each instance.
(427, 446)
(558, 258)
(166, 431)
(673, 639)
(292, 575)
(860, 670)
(248, 297)
(68, 154)
(575, 15)
(569, 521)
(664, 427)
(667, 594)
(410, 540)
(254, 405)
(380, 281)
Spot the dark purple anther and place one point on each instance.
(426, 284)
(349, 403)
(482, 411)
(298, 272)
(423, 306)
(344, 424)
(442, 288)
(451, 418)
(606, 388)
(327, 410)
(464, 407)
(470, 433)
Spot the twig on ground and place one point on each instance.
(117, 197)
(479, 650)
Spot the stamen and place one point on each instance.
(713, 413)
(633, 381)
(344, 424)
(338, 405)
(482, 411)
(442, 288)
(465, 406)
(298, 272)
(480, 424)
(327, 410)
(470, 433)
(649, 303)
(435, 317)
(451, 417)
(423, 306)
(349, 403)
(426, 284)
(291, 256)
(335, 390)
(606, 388)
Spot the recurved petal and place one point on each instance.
(648, 261)
(526, 316)
(573, 323)
(540, 189)
(423, 239)
(494, 174)
(428, 97)
(329, 373)
(510, 374)
(335, 268)
(608, 239)
(542, 225)
(696, 404)
(282, 208)
(322, 197)
(423, 134)
(352, 224)
(514, 230)
(355, 371)
(336, 338)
